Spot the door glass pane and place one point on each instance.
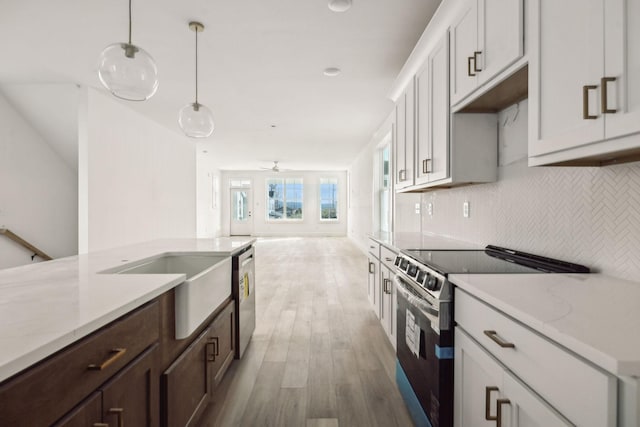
(240, 206)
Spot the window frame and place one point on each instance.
(283, 181)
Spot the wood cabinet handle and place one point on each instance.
(585, 102)
(120, 414)
(469, 72)
(215, 351)
(494, 337)
(603, 83)
(475, 61)
(372, 268)
(118, 353)
(499, 403)
(487, 403)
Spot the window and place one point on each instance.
(284, 198)
(328, 199)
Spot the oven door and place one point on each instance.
(425, 355)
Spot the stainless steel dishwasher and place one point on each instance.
(243, 283)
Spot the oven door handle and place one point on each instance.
(416, 301)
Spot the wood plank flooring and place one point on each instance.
(319, 356)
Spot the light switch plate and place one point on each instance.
(417, 208)
(465, 209)
(430, 209)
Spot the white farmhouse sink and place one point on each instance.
(208, 284)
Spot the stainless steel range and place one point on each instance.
(424, 369)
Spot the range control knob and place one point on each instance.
(432, 283)
(420, 277)
(397, 262)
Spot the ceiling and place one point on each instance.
(260, 67)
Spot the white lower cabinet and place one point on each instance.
(486, 394)
(381, 290)
(545, 384)
(388, 304)
(373, 284)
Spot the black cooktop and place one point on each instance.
(492, 259)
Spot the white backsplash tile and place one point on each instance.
(586, 215)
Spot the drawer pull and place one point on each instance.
(372, 268)
(388, 259)
(603, 84)
(100, 425)
(118, 353)
(499, 403)
(120, 414)
(494, 337)
(487, 403)
(585, 102)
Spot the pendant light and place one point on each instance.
(195, 119)
(128, 71)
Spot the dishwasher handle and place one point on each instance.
(246, 261)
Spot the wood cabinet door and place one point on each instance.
(221, 345)
(500, 36)
(477, 382)
(622, 64)
(185, 384)
(88, 413)
(132, 396)
(464, 39)
(565, 68)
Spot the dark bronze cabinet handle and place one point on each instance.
(603, 83)
(475, 62)
(372, 268)
(487, 403)
(120, 414)
(469, 72)
(501, 402)
(585, 102)
(425, 166)
(494, 337)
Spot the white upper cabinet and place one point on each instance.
(432, 112)
(486, 37)
(584, 76)
(404, 139)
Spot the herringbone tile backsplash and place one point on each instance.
(586, 215)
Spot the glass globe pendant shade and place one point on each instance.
(196, 120)
(128, 72)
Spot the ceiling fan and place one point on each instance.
(275, 167)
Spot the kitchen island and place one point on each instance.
(48, 308)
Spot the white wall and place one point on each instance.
(38, 193)
(361, 195)
(310, 225)
(141, 177)
(209, 197)
(586, 215)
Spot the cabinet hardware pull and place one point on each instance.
(499, 404)
(100, 425)
(119, 352)
(386, 289)
(425, 166)
(372, 268)
(120, 414)
(487, 403)
(585, 102)
(469, 73)
(475, 61)
(388, 259)
(603, 82)
(213, 341)
(494, 337)
(402, 175)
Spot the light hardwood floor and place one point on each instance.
(319, 356)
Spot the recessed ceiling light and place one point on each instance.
(339, 5)
(273, 126)
(332, 71)
(205, 151)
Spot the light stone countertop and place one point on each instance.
(46, 306)
(426, 241)
(593, 315)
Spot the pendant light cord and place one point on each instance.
(129, 21)
(196, 66)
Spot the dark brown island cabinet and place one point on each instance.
(131, 372)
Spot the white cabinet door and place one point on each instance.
(477, 381)
(565, 68)
(464, 35)
(388, 305)
(485, 394)
(438, 162)
(404, 138)
(373, 284)
(422, 152)
(622, 64)
(500, 36)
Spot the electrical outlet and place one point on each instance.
(417, 208)
(430, 209)
(465, 209)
